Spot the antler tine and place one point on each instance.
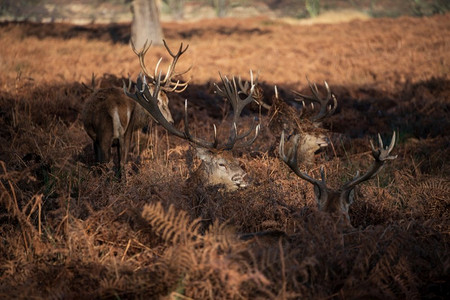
(130, 83)
(194, 140)
(176, 85)
(243, 86)
(332, 107)
(169, 85)
(325, 109)
(91, 89)
(312, 98)
(230, 92)
(235, 137)
(252, 140)
(141, 54)
(258, 95)
(180, 50)
(291, 160)
(381, 155)
(246, 86)
(149, 102)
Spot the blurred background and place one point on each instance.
(114, 11)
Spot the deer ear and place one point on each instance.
(203, 153)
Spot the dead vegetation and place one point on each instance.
(68, 232)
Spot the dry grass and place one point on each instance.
(72, 231)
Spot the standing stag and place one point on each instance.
(218, 166)
(110, 118)
(337, 201)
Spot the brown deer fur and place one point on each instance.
(218, 168)
(110, 118)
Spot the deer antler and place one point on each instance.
(149, 101)
(381, 155)
(330, 200)
(325, 109)
(168, 84)
(258, 94)
(291, 160)
(91, 89)
(231, 93)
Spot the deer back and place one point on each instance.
(111, 106)
(107, 112)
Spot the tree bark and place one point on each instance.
(145, 25)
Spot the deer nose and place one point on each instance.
(239, 180)
(323, 142)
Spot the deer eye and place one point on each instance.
(222, 165)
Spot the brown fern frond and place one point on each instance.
(212, 265)
(173, 226)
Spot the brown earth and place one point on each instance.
(68, 232)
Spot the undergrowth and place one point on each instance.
(70, 229)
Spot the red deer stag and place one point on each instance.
(337, 201)
(110, 118)
(311, 137)
(284, 117)
(218, 166)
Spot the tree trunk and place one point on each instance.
(145, 25)
(177, 9)
(221, 8)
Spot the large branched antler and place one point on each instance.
(291, 160)
(168, 84)
(257, 93)
(325, 108)
(381, 155)
(149, 102)
(232, 94)
(339, 199)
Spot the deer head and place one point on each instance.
(287, 118)
(218, 165)
(219, 168)
(337, 201)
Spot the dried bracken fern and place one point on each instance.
(69, 230)
(212, 265)
(432, 196)
(173, 226)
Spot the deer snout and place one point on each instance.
(240, 180)
(322, 141)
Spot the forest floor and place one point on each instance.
(68, 232)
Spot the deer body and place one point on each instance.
(110, 118)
